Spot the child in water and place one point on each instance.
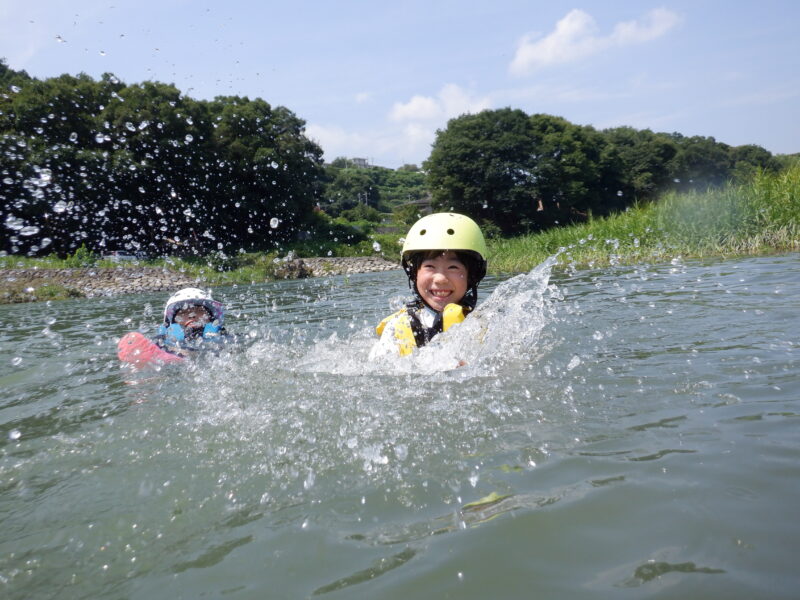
(444, 257)
(192, 318)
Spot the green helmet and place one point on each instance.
(446, 231)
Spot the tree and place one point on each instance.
(699, 163)
(482, 165)
(644, 161)
(748, 159)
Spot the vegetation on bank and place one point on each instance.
(759, 216)
(146, 169)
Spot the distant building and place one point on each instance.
(361, 163)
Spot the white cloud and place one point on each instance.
(576, 37)
(363, 97)
(419, 108)
(451, 101)
(335, 141)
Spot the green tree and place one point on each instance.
(482, 165)
(644, 161)
(748, 159)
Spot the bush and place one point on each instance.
(83, 257)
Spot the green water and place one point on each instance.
(637, 427)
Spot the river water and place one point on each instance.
(627, 432)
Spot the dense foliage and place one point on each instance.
(526, 173)
(145, 169)
(348, 187)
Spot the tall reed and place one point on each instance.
(760, 216)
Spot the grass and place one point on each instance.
(757, 217)
(754, 218)
(39, 291)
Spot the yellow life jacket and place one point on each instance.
(408, 331)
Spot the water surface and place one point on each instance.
(619, 433)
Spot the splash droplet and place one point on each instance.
(273, 222)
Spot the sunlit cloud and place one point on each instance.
(335, 141)
(408, 143)
(451, 101)
(576, 36)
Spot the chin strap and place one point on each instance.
(451, 315)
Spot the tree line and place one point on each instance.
(144, 168)
(518, 173)
(147, 169)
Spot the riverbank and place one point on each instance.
(37, 284)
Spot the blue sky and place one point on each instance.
(376, 80)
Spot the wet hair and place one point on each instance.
(471, 261)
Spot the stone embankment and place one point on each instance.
(318, 267)
(92, 282)
(20, 285)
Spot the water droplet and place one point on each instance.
(73, 137)
(102, 52)
(60, 39)
(29, 230)
(16, 361)
(189, 138)
(59, 207)
(130, 126)
(15, 89)
(143, 125)
(99, 138)
(14, 434)
(273, 222)
(619, 193)
(14, 223)
(376, 246)
(274, 165)
(573, 363)
(45, 177)
(8, 181)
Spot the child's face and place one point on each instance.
(192, 317)
(442, 280)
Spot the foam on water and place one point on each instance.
(322, 420)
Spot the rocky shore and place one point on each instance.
(33, 284)
(321, 266)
